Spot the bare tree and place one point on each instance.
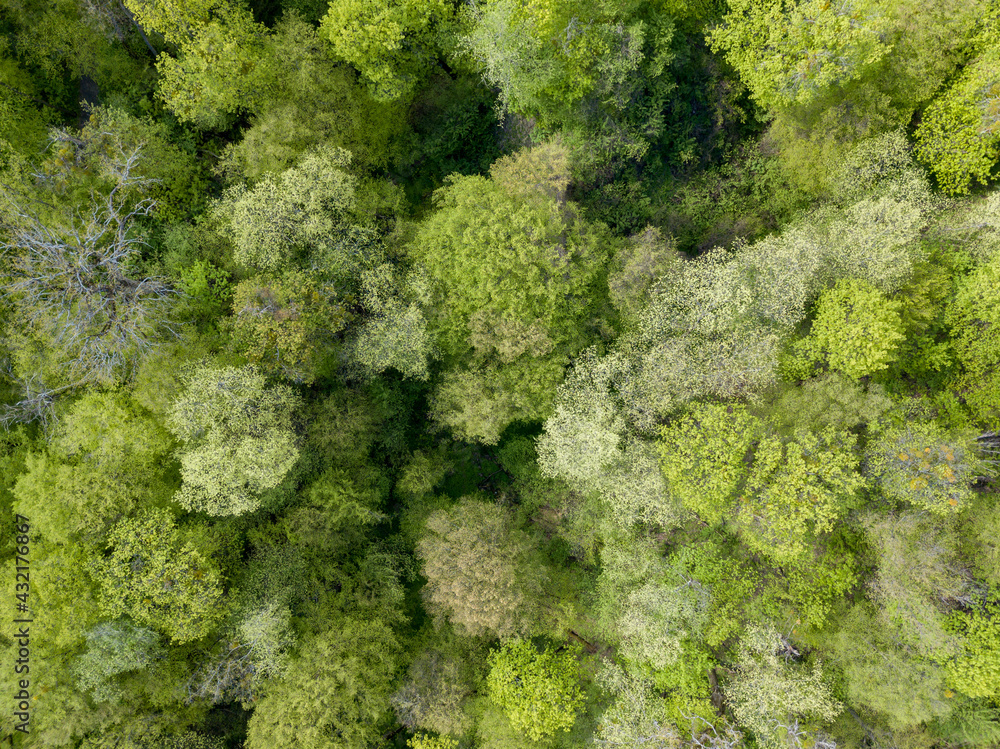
(72, 276)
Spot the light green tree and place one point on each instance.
(539, 691)
(115, 648)
(105, 457)
(769, 690)
(238, 438)
(920, 578)
(301, 207)
(158, 579)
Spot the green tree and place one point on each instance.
(884, 674)
(390, 44)
(923, 464)
(920, 578)
(480, 570)
(433, 696)
(512, 267)
(222, 65)
(596, 68)
(704, 457)
(238, 437)
(959, 133)
(105, 458)
(158, 579)
(789, 53)
(770, 691)
(797, 487)
(335, 693)
(282, 321)
(856, 330)
(539, 692)
(975, 324)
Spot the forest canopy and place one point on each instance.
(500, 374)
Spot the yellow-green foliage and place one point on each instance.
(923, 464)
(104, 459)
(426, 741)
(704, 457)
(856, 330)
(539, 691)
(976, 670)
(157, 579)
(222, 67)
(797, 487)
(339, 685)
(789, 52)
(238, 435)
(974, 317)
(389, 43)
(959, 134)
(312, 100)
(177, 20)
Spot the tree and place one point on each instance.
(105, 457)
(797, 487)
(115, 648)
(480, 570)
(657, 618)
(305, 206)
(959, 133)
(434, 693)
(311, 101)
(512, 267)
(884, 674)
(920, 578)
(768, 690)
(856, 330)
(591, 67)
(923, 464)
(539, 692)
(281, 321)
(158, 579)
(238, 439)
(222, 64)
(975, 323)
(790, 53)
(335, 692)
(636, 717)
(254, 651)
(704, 457)
(72, 277)
(390, 44)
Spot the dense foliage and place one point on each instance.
(500, 374)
